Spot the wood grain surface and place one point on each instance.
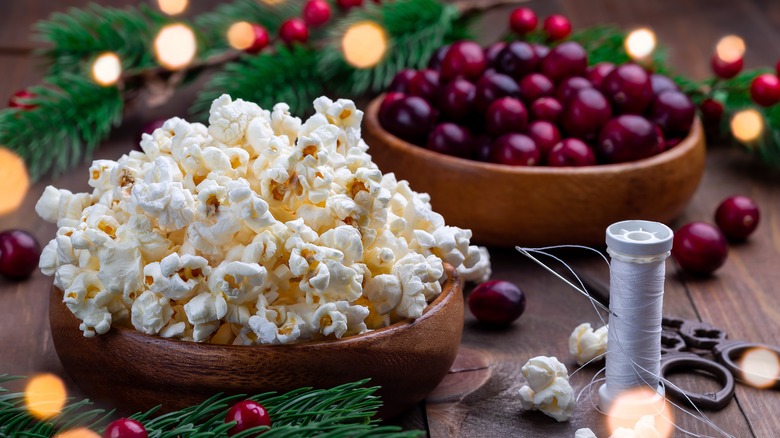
(478, 397)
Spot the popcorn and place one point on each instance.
(584, 433)
(259, 228)
(586, 344)
(548, 388)
(644, 428)
(480, 272)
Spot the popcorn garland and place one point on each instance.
(258, 229)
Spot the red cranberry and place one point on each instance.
(541, 50)
(571, 152)
(737, 217)
(711, 110)
(628, 138)
(390, 98)
(569, 88)
(517, 60)
(506, 115)
(629, 89)
(438, 56)
(515, 150)
(247, 414)
(725, 69)
(465, 59)
(586, 112)
(557, 27)
(316, 12)
(349, 4)
(699, 248)
(765, 89)
(534, 86)
(401, 80)
(492, 52)
(545, 135)
(425, 84)
(261, 39)
(451, 139)
(661, 83)
(457, 99)
(16, 101)
(410, 118)
(294, 30)
(674, 112)
(670, 143)
(566, 60)
(777, 68)
(125, 428)
(19, 254)
(483, 147)
(523, 21)
(597, 73)
(546, 108)
(152, 125)
(492, 87)
(497, 303)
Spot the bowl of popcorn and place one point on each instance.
(259, 253)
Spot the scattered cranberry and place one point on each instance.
(598, 72)
(661, 83)
(497, 303)
(523, 21)
(349, 4)
(726, 69)
(586, 112)
(506, 115)
(545, 135)
(19, 254)
(401, 80)
(492, 52)
(737, 217)
(125, 428)
(674, 112)
(294, 30)
(492, 87)
(316, 12)
(451, 139)
(628, 138)
(534, 86)
(711, 110)
(410, 118)
(517, 60)
(765, 89)
(546, 108)
(699, 248)
(571, 152)
(565, 60)
(425, 84)
(515, 150)
(247, 414)
(569, 88)
(463, 59)
(557, 27)
(456, 100)
(629, 89)
(16, 101)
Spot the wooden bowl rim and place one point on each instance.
(687, 144)
(449, 288)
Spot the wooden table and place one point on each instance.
(479, 397)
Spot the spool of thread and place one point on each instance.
(638, 250)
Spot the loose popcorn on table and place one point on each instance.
(260, 228)
(548, 389)
(587, 344)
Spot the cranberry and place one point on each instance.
(711, 110)
(571, 152)
(541, 50)
(557, 27)
(294, 30)
(483, 147)
(491, 53)
(125, 428)
(777, 68)
(726, 69)
(699, 248)
(597, 73)
(737, 217)
(535, 86)
(247, 414)
(586, 112)
(629, 89)
(545, 135)
(349, 4)
(456, 100)
(628, 138)
(316, 12)
(410, 118)
(451, 139)
(464, 58)
(523, 21)
(492, 87)
(670, 143)
(388, 100)
(569, 88)
(546, 108)
(401, 80)
(515, 150)
(566, 60)
(674, 112)
(506, 115)
(517, 60)
(152, 125)
(765, 89)
(16, 101)
(438, 56)
(661, 83)
(19, 254)
(260, 41)
(425, 84)
(497, 303)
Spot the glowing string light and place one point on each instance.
(241, 35)
(45, 396)
(14, 182)
(364, 44)
(173, 7)
(175, 46)
(640, 43)
(730, 48)
(630, 406)
(107, 69)
(760, 367)
(79, 432)
(747, 125)
(271, 2)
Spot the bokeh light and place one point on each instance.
(747, 125)
(241, 35)
(175, 46)
(14, 182)
(79, 432)
(760, 367)
(730, 48)
(640, 43)
(364, 44)
(45, 396)
(630, 406)
(173, 7)
(107, 69)
(271, 2)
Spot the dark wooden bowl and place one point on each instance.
(537, 206)
(134, 372)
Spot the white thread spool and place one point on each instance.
(638, 250)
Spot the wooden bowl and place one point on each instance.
(134, 372)
(538, 206)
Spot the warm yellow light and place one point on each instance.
(271, 2)
(364, 44)
(760, 367)
(730, 48)
(175, 46)
(14, 181)
(107, 69)
(79, 432)
(173, 7)
(241, 35)
(747, 125)
(630, 406)
(45, 396)
(640, 43)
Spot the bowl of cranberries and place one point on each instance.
(528, 144)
